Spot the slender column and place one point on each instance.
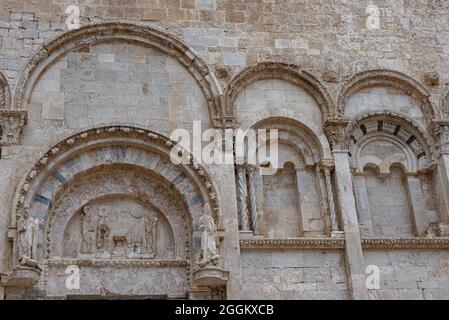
(299, 192)
(416, 205)
(355, 262)
(230, 243)
(362, 202)
(252, 196)
(441, 133)
(242, 194)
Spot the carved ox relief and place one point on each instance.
(117, 228)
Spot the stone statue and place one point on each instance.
(150, 234)
(208, 253)
(102, 233)
(87, 231)
(26, 229)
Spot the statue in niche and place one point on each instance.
(26, 229)
(87, 230)
(208, 253)
(150, 235)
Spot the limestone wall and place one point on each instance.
(363, 115)
(292, 275)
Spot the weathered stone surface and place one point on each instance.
(363, 178)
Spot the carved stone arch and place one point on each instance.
(299, 134)
(115, 134)
(118, 163)
(410, 137)
(280, 71)
(94, 33)
(444, 102)
(387, 78)
(5, 93)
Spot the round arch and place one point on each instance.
(95, 33)
(280, 71)
(405, 133)
(299, 134)
(120, 135)
(387, 78)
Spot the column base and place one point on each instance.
(443, 230)
(246, 234)
(337, 234)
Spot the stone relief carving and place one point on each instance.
(118, 231)
(208, 254)
(26, 229)
(11, 123)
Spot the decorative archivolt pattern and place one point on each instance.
(44, 165)
(95, 33)
(281, 71)
(387, 78)
(409, 136)
(5, 95)
(296, 134)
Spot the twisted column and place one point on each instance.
(252, 196)
(242, 196)
(327, 166)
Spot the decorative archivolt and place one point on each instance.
(413, 142)
(387, 78)
(444, 103)
(281, 71)
(145, 35)
(297, 135)
(119, 135)
(5, 95)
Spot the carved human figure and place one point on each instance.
(209, 252)
(87, 230)
(150, 234)
(102, 232)
(26, 228)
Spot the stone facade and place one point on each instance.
(86, 117)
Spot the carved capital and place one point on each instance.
(327, 164)
(11, 124)
(335, 132)
(441, 135)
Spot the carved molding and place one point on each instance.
(12, 123)
(441, 135)
(295, 132)
(5, 92)
(113, 131)
(117, 263)
(94, 33)
(383, 243)
(388, 78)
(423, 144)
(405, 243)
(444, 102)
(334, 129)
(293, 244)
(281, 71)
